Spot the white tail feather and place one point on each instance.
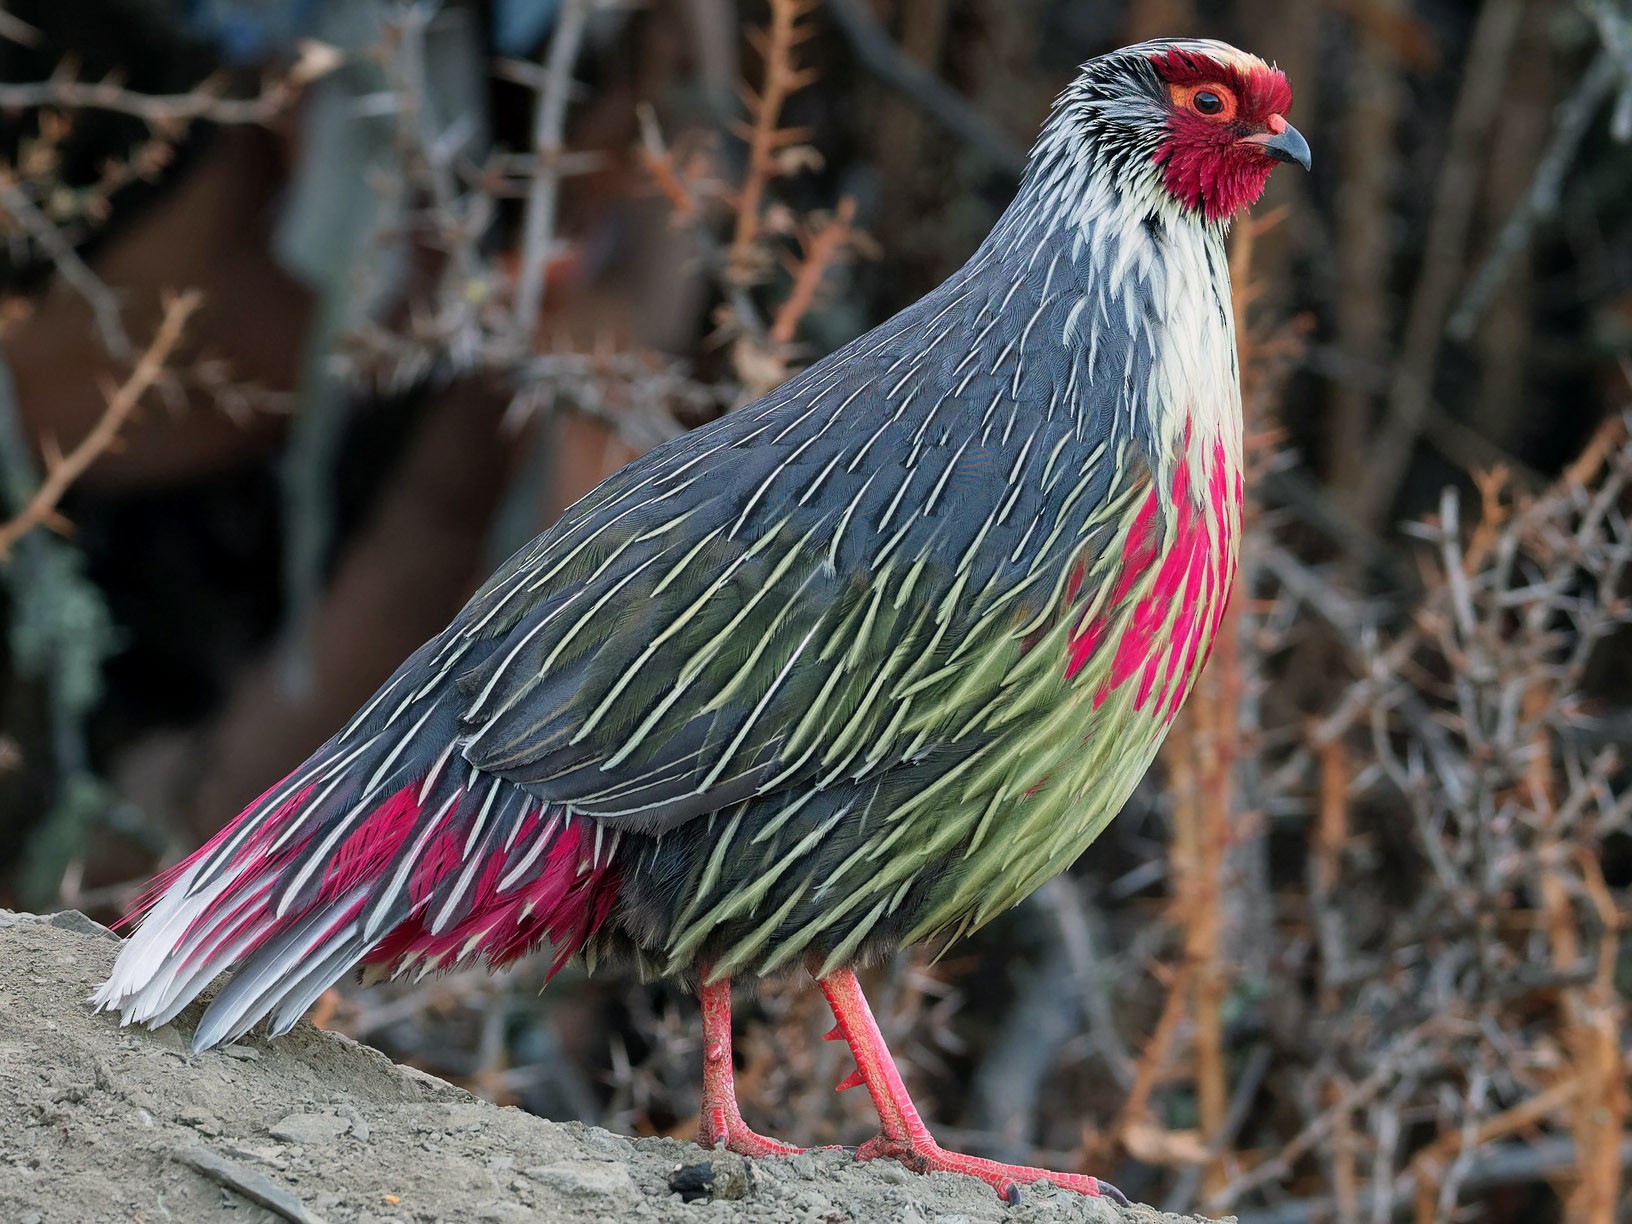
(303, 992)
(274, 971)
(137, 984)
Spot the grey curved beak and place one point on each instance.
(1286, 145)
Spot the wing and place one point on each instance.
(795, 594)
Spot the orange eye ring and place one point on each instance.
(1208, 100)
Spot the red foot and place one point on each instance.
(720, 1124)
(722, 1129)
(924, 1155)
(901, 1134)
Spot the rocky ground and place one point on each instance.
(110, 1124)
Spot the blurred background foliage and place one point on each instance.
(311, 312)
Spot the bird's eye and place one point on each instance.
(1210, 100)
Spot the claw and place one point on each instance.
(1009, 1192)
(713, 1130)
(1106, 1190)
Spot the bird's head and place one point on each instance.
(1192, 119)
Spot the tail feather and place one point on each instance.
(388, 853)
(230, 940)
(280, 971)
(144, 971)
(304, 991)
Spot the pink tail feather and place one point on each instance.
(427, 872)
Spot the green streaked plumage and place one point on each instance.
(862, 663)
(812, 662)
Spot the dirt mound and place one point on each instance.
(111, 1124)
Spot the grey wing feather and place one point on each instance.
(748, 604)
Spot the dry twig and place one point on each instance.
(1411, 393)
(823, 250)
(549, 127)
(1575, 114)
(63, 469)
(939, 100)
(74, 270)
(204, 101)
(767, 140)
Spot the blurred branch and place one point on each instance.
(1500, 1164)
(822, 251)
(1410, 395)
(203, 101)
(1364, 244)
(944, 104)
(1011, 1079)
(1242, 1096)
(549, 126)
(1296, 489)
(1077, 922)
(760, 351)
(59, 633)
(1402, 1050)
(74, 270)
(1575, 114)
(634, 395)
(17, 30)
(63, 470)
(663, 165)
(764, 132)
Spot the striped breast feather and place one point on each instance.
(784, 597)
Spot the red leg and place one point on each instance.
(901, 1134)
(721, 1124)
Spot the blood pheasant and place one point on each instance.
(862, 663)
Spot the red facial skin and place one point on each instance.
(1210, 162)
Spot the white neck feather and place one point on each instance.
(1145, 263)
